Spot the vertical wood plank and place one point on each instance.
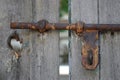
(10, 68)
(110, 44)
(84, 10)
(3, 50)
(45, 47)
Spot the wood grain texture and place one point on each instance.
(110, 44)
(10, 68)
(44, 60)
(84, 10)
(4, 57)
(40, 55)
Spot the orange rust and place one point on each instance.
(68, 27)
(72, 27)
(79, 27)
(89, 44)
(91, 30)
(48, 26)
(13, 25)
(96, 37)
(85, 48)
(52, 27)
(33, 27)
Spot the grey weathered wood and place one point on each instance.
(40, 55)
(14, 10)
(44, 60)
(84, 10)
(110, 45)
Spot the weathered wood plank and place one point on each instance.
(3, 51)
(45, 53)
(84, 10)
(110, 44)
(13, 10)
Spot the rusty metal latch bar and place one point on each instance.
(89, 33)
(44, 25)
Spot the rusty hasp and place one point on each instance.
(88, 32)
(90, 49)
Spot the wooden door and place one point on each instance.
(98, 12)
(40, 55)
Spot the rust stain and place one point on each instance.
(53, 27)
(68, 27)
(33, 27)
(90, 30)
(90, 62)
(85, 56)
(96, 37)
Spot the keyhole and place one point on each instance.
(90, 57)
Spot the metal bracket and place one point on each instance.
(90, 49)
(90, 57)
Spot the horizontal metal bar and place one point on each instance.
(79, 27)
(60, 26)
(23, 25)
(102, 27)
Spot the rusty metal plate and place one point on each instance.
(90, 49)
